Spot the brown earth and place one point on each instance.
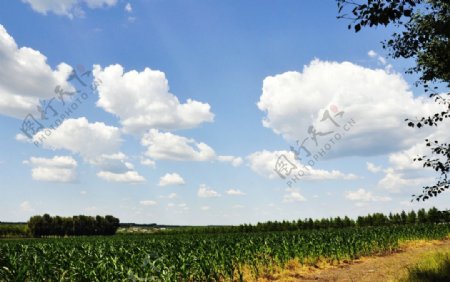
(387, 267)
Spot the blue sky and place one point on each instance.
(196, 100)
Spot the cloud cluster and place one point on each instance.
(376, 99)
(142, 101)
(25, 78)
(130, 176)
(79, 136)
(56, 169)
(169, 146)
(293, 195)
(116, 168)
(206, 192)
(69, 8)
(264, 164)
(171, 179)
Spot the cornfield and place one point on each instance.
(199, 257)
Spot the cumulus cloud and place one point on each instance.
(235, 161)
(362, 195)
(90, 140)
(171, 179)
(56, 169)
(148, 162)
(206, 192)
(116, 163)
(142, 101)
(406, 175)
(264, 164)
(26, 78)
(378, 101)
(373, 168)
(125, 177)
(396, 181)
(293, 195)
(26, 206)
(69, 8)
(234, 192)
(168, 146)
(116, 168)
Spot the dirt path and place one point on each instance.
(377, 268)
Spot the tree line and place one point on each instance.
(79, 225)
(13, 230)
(432, 216)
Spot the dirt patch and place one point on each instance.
(387, 267)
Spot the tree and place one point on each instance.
(422, 216)
(47, 225)
(424, 37)
(412, 217)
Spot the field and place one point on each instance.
(196, 257)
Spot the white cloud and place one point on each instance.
(148, 203)
(373, 168)
(168, 146)
(264, 163)
(142, 101)
(380, 59)
(128, 8)
(362, 195)
(116, 168)
(127, 177)
(206, 192)
(372, 54)
(293, 195)
(25, 206)
(116, 162)
(235, 161)
(56, 169)
(25, 78)
(90, 140)
(377, 100)
(171, 179)
(396, 181)
(205, 208)
(405, 175)
(234, 192)
(69, 8)
(148, 162)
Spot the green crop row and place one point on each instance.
(199, 257)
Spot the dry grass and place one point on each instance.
(380, 267)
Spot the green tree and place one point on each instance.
(434, 215)
(422, 216)
(424, 32)
(412, 217)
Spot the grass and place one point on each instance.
(432, 267)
